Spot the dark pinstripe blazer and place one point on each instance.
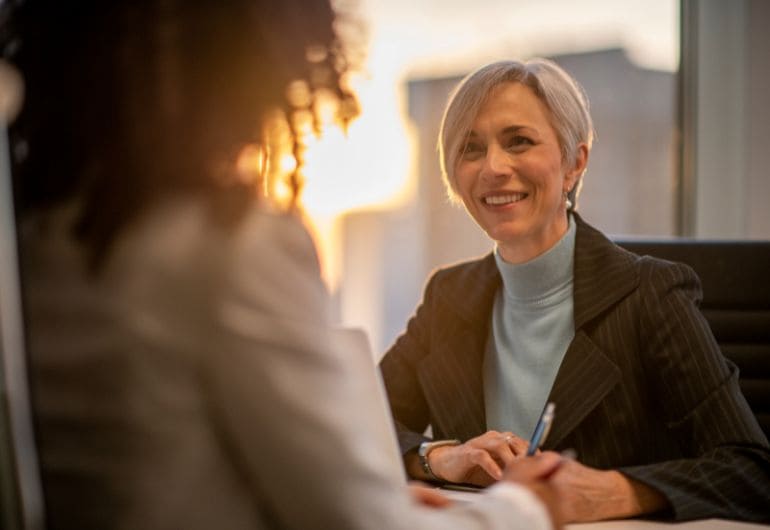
(642, 388)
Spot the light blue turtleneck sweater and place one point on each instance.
(532, 326)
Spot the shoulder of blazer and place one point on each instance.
(466, 289)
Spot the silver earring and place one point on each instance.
(567, 202)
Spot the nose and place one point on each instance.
(496, 163)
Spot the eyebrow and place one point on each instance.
(507, 130)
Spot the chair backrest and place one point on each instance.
(736, 302)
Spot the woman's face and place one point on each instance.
(510, 174)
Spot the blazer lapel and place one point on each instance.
(452, 375)
(603, 276)
(604, 273)
(584, 378)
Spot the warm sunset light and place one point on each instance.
(366, 166)
(371, 166)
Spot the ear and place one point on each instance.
(581, 162)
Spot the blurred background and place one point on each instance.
(678, 93)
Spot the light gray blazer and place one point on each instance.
(197, 383)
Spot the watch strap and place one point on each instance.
(425, 449)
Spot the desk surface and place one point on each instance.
(631, 524)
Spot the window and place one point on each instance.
(677, 153)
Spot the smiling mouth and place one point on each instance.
(501, 200)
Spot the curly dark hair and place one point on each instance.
(130, 100)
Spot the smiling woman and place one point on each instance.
(558, 313)
(565, 110)
(510, 175)
(514, 144)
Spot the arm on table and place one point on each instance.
(725, 469)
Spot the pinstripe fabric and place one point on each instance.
(643, 386)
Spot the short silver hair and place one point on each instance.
(562, 95)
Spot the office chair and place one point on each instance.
(735, 276)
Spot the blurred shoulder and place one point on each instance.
(179, 246)
(271, 236)
(183, 233)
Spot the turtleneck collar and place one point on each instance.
(541, 276)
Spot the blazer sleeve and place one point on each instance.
(727, 469)
(408, 404)
(301, 423)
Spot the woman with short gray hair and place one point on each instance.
(563, 96)
(559, 314)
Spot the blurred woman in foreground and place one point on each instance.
(185, 373)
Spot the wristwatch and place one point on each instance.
(423, 451)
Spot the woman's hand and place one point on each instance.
(591, 494)
(537, 473)
(478, 461)
(427, 495)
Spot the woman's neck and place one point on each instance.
(525, 249)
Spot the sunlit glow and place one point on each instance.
(366, 166)
(282, 192)
(298, 94)
(326, 110)
(370, 166)
(288, 163)
(250, 164)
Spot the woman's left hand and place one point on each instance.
(480, 460)
(591, 494)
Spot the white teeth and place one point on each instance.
(504, 199)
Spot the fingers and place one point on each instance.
(428, 496)
(484, 460)
(502, 446)
(481, 457)
(517, 445)
(553, 501)
(538, 474)
(461, 464)
(493, 451)
(533, 468)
